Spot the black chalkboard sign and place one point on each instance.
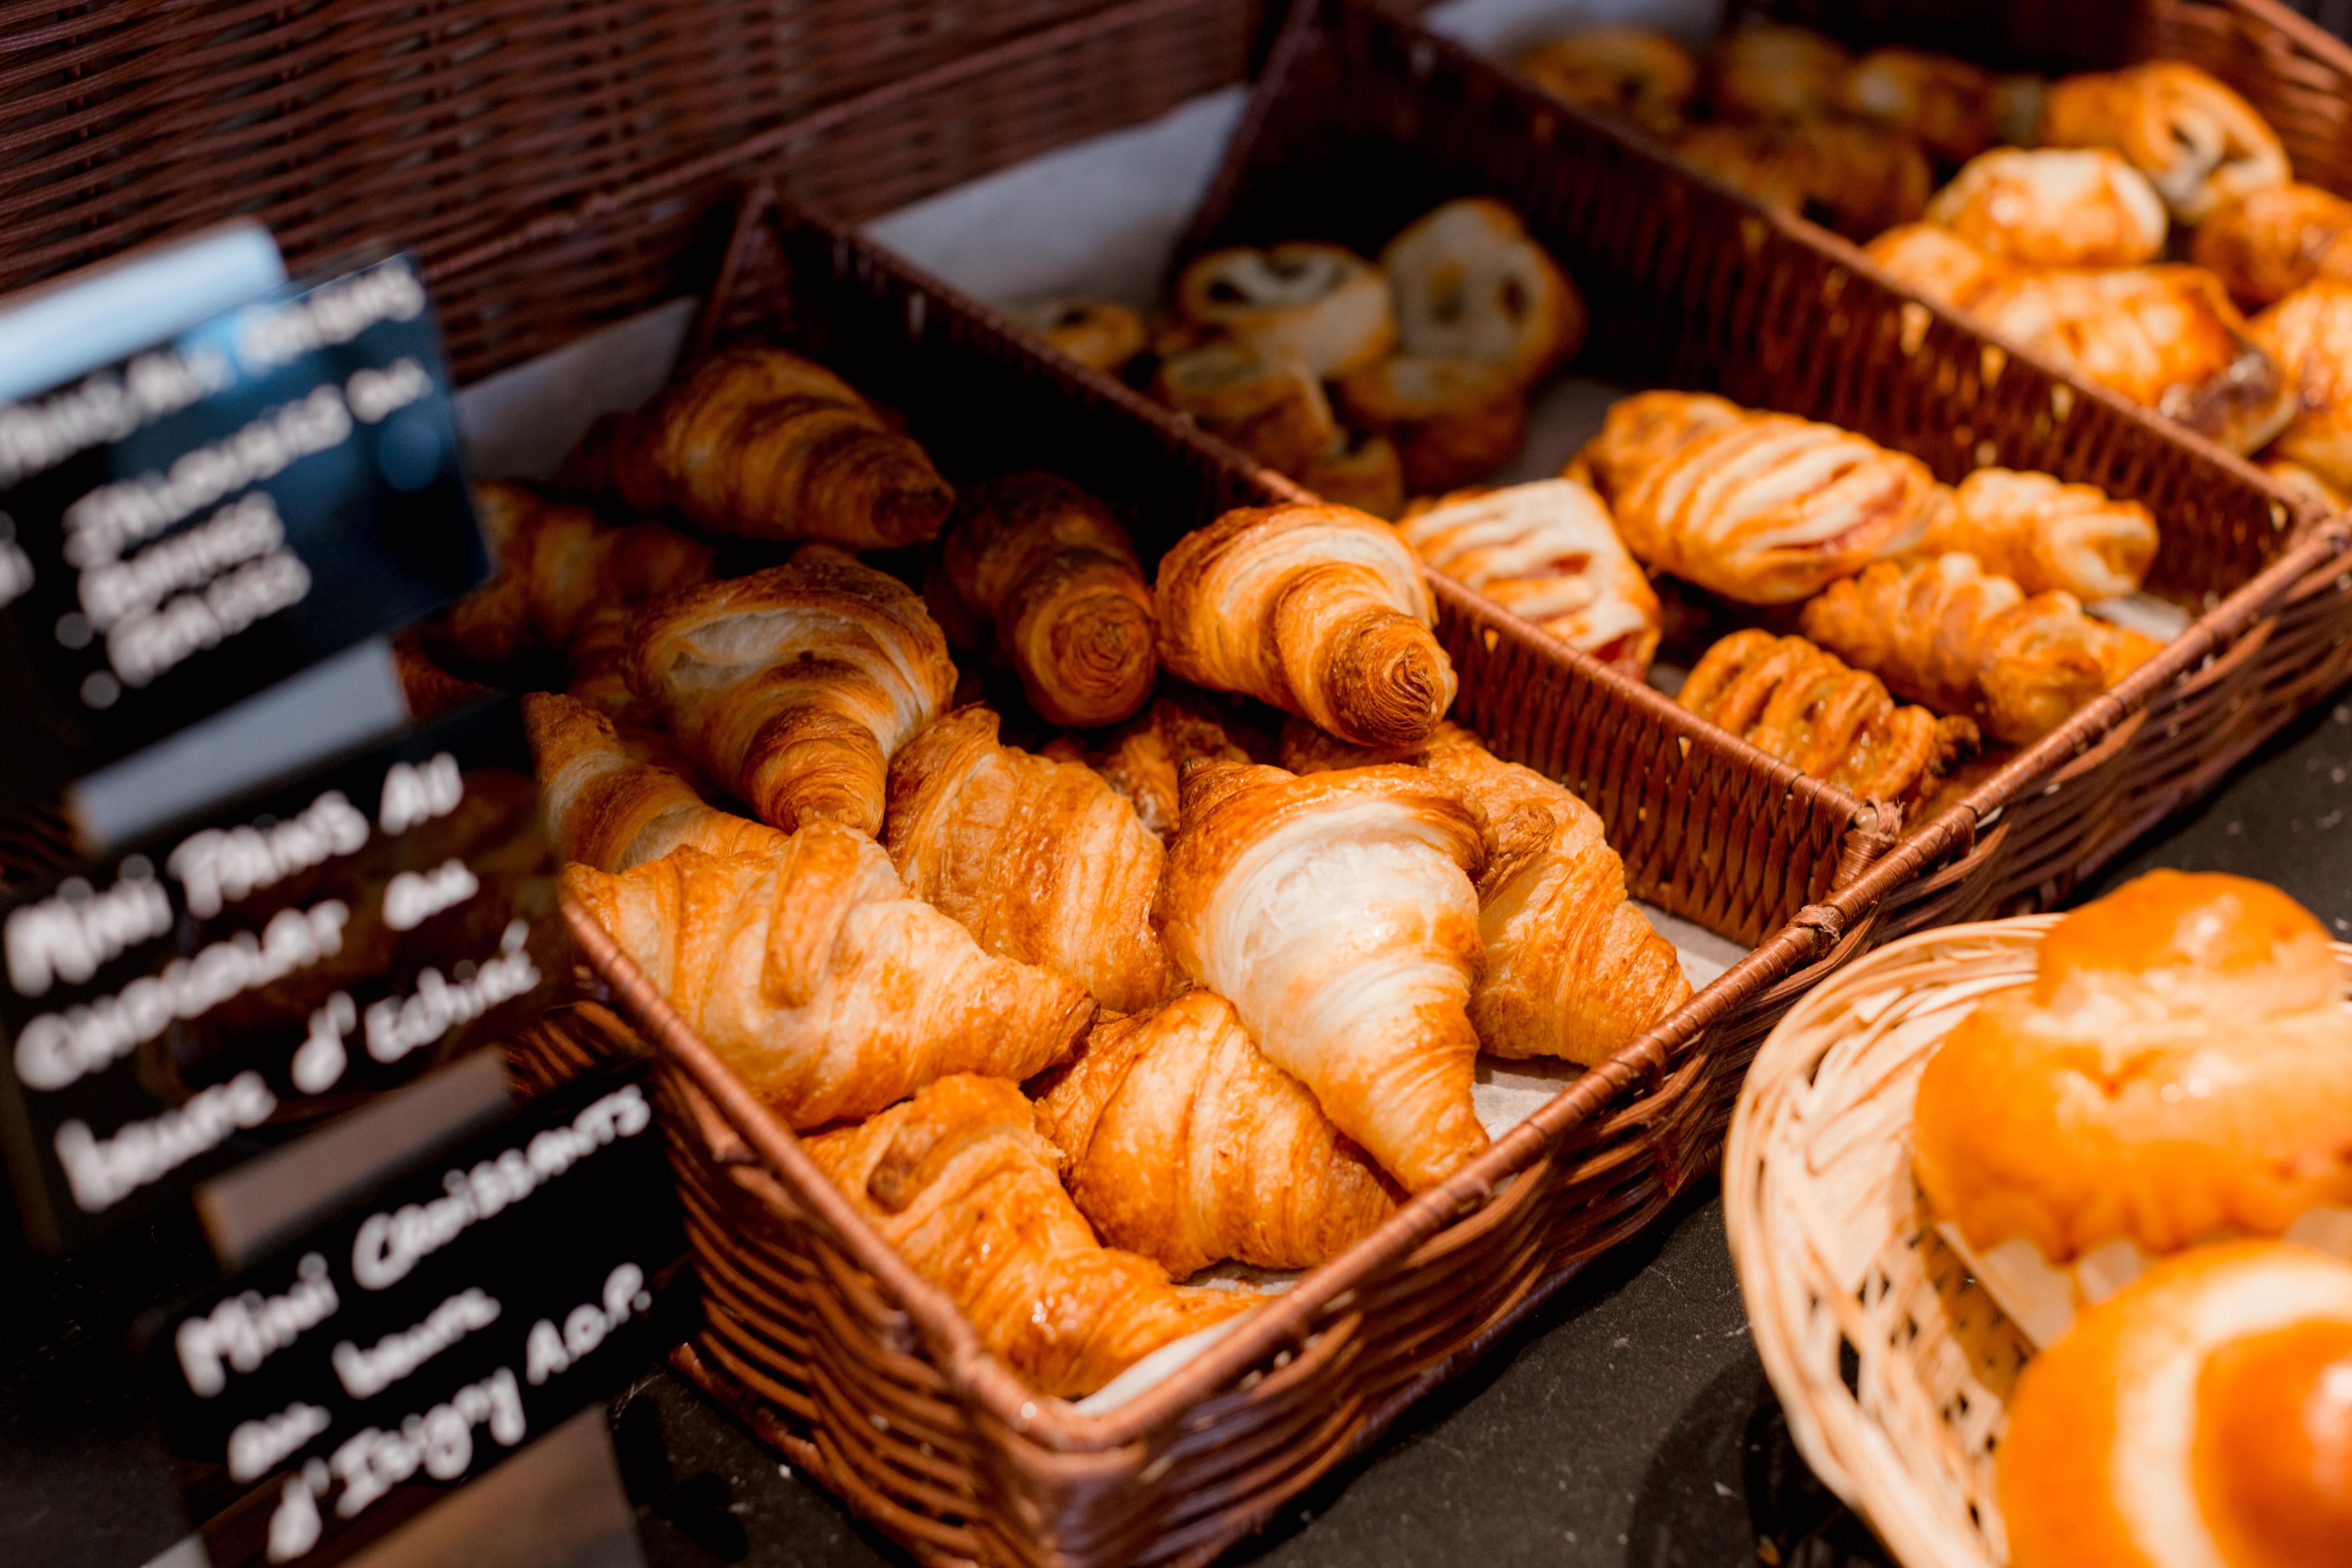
(198, 521)
(230, 982)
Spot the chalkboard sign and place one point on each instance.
(192, 524)
(230, 982)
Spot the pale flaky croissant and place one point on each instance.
(963, 1184)
(1039, 572)
(1322, 302)
(2309, 335)
(1041, 860)
(827, 986)
(1791, 700)
(1765, 509)
(793, 686)
(2199, 143)
(756, 441)
(1320, 610)
(2054, 206)
(1572, 970)
(1337, 914)
(1943, 632)
(1548, 552)
(611, 808)
(1187, 1145)
(2043, 533)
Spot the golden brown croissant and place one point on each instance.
(2309, 335)
(1944, 633)
(961, 1183)
(1336, 914)
(1451, 421)
(1548, 552)
(1791, 700)
(1627, 73)
(2054, 206)
(1470, 283)
(831, 989)
(1572, 970)
(615, 810)
(1098, 333)
(1260, 398)
(1937, 262)
(1761, 508)
(2042, 533)
(1774, 72)
(756, 441)
(1944, 104)
(1321, 302)
(1188, 1146)
(793, 686)
(1146, 757)
(2200, 143)
(1041, 860)
(1358, 469)
(1317, 609)
(1849, 176)
(598, 663)
(2266, 244)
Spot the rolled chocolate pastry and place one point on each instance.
(1323, 303)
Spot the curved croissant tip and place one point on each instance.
(1398, 687)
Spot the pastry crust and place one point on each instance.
(2053, 207)
(1944, 104)
(1627, 73)
(2268, 243)
(1451, 421)
(1471, 284)
(613, 808)
(1775, 72)
(1261, 398)
(2197, 142)
(1936, 262)
(1100, 335)
(1322, 302)
(429, 691)
(1856, 178)
(1361, 470)
(2309, 335)
(2042, 533)
(1145, 758)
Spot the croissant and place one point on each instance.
(1041, 860)
(1146, 757)
(1936, 262)
(1791, 700)
(1627, 73)
(831, 989)
(1471, 284)
(1317, 609)
(1761, 508)
(962, 1184)
(793, 686)
(1262, 399)
(1944, 633)
(2266, 244)
(1358, 469)
(1040, 568)
(555, 566)
(1188, 1146)
(598, 661)
(1944, 104)
(1852, 177)
(613, 810)
(1336, 914)
(1451, 421)
(2309, 335)
(1323, 303)
(1548, 552)
(1572, 970)
(2200, 143)
(1771, 72)
(759, 442)
(2043, 534)
(428, 691)
(1098, 333)
(2054, 206)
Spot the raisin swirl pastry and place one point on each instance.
(1326, 304)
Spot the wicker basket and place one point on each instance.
(1890, 1360)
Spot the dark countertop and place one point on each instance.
(1628, 1423)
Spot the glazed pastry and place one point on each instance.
(1572, 970)
(1471, 284)
(1041, 860)
(2164, 336)
(830, 989)
(610, 807)
(2053, 207)
(2043, 534)
(1318, 610)
(756, 441)
(1790, 699)
(1360, 470)
(2309, 335)
(1626, 73)
(1944, 104)
(2301, 482)
(1187, 1145)
(2203, 1416)
(1323, 303)
(429, 691)
(1451, 421)
(2180, 1068)
(1776, 73)
(792, 687)
(1042, 573)
(1261, 399)
(1098, 333)
(2199, 143)
(1852, 177)
(2268, 243)
(1936, 262)
(1944, 633)
(1336, 914)
(1146, 757)
(962, 1184)
(1764, 509)
(1548, 553)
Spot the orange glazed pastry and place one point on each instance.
(1852, 177)
(1946, 105)
(2266, 244)
(2044, 534)
(2054, 206)
(2309, 335)
(2200, 143)
(1937, 262)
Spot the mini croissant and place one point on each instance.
(1145, 757)
(961, 1181)
(1035, 566)
(827, 986)
(1944, 633)
(1041, 860)
(1186, 1144)
(759, 442)
(793, 686)
(1318, 610)
(1336, 914)
(1326, 304)
(2045, 534)
(614, 811)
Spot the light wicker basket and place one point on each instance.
(1892, 1363)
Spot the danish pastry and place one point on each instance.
(1848, 175)
(2043, 534)
(1944, 104)
(2268, 243)
(1776, 73)
(1470, 284)
(2199, 143)
(1262, 399)
(2053, 207)
(1936, 262)
(1627, 73)
(2309, 335)
(1100, 335)
(1325, 304)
